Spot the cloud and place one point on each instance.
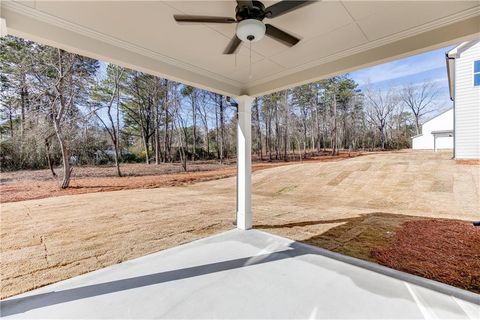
(405, 70)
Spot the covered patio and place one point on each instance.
(243, 273)
(240, 274)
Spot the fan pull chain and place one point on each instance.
(250, 66)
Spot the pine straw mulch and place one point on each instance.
(443, 250)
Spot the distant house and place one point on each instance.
(437, 133)
(463, 66)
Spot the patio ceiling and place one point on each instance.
(337, 37)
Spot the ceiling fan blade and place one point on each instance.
(203, 19)
(282, 36)
(284, 6)
(245, 3)
(233, 45)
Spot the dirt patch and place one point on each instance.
(338, 179)
(38, 189)
(39, 184)
(442, 250)
(442, 186)
(468, 162)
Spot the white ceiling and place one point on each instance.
(330, 30)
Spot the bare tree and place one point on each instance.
(160, 92)
(203, 110)
(334, 129)
(258, 130)
(71, 72)
(107, 94)
(180, 126)
(420, 99)
(380, 105)
(193, 93)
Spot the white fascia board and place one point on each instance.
(457, 51)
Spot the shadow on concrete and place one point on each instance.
(299, 224)
(24, 304)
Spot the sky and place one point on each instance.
(429, 66)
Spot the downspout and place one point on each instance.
(451, 86)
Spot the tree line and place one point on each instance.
(63, 109)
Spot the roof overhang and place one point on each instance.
(443, 133)
(29, 22)
(450, 57)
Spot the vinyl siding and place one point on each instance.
(467, 106)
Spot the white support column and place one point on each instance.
(244, 160)
(3, 28)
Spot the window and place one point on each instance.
(476, 73)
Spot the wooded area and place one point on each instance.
(59, 108)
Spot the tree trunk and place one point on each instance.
(49, 159)
(277, 132)
(194, 116)
(10, 119)
(57, 118)
(67, 170)
(286, 137)
(146, 146)
(382, 137)
(157, 134)
(222, 130)
(304, 139)
(417, 124)
(24, 102)
(118, 124)
(259, 131)
(117, 163)
(165, 136)
(334, 138)
(217, 135)
(22, 116)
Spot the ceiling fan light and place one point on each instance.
(250, 30)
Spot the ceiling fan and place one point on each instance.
(249, 16)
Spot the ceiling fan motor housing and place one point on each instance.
(250, 30)
(249, 16)
(256, 11)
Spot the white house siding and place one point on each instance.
(443, 121)
(467, 106)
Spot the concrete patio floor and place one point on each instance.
(237, 274)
